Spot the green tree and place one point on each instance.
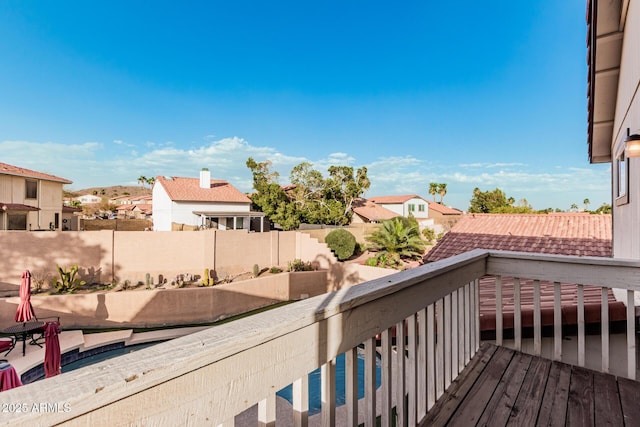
(487, 201)
(270, 198)
(151, 181)
(142, 180)
(397, 237)
(605, 208)
(586, 202)
(574, 207)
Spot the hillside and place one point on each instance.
(115, 190)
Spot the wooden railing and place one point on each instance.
(211, 377)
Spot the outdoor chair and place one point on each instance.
(7, 344)
(38, 336)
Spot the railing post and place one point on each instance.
(267, 411)
(604, 330)
(517, 315)
(385, 344)
(631, 335)
(300, 395)
(351, 385)
(557, 322)
(499, 326)
(370, 382)
(537, 319)
(328, 393)
(581, 337)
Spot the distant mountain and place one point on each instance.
(113, 191)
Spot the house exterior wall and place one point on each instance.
(404, 208)
(626, 217)
(182, 212)
(49, 200)
(161, 209)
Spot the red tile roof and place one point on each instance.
(6, 169)
(17, 207)
(371, 211)
(444, 210)
(578, 234)
(564, 234)
(188, 190)
(394, 199)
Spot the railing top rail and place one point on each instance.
(95, 387)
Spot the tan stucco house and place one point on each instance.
(30, 200)
(406, 205)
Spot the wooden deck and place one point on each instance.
(503, 387)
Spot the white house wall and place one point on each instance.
(182, 212)
(162, 207)
(626, 217)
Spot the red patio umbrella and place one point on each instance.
(24, 313)
(8, 376)
(51, 350)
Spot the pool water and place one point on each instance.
(315, 403)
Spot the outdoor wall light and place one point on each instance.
(632, 145)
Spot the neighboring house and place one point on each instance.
(30, 200)
(71, 218)
(365, 211)
(406, 205)
(613, 58)
(444, 217)
(89, 199)
(138, 211)
(200, 202)
(577, 234)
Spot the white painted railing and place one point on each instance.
(211, 377)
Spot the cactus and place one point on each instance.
(68, 281)
(148, 281)
(256, 270)
(207, 280)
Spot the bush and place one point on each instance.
(429, 235)
(299, 265)
(342, 243)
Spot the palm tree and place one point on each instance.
(442, 190)
(151, 181)
(397, 237)
(574, 207)
(142, 180)
(433, 189)
(586, 202)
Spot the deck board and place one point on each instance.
(505, 387)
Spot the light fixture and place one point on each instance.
(632, 145)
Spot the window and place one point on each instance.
(412, 208)
(622, 180)
(56, 220)
(31, 189)
(421, 208)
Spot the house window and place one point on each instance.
(412, 208)
(622, 180)
(17, 222)
(31, 189)
(420, 208)
(56, 220)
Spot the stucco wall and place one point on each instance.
(163, 307)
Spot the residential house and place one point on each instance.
(406, 205)
(30, 200)
(444, 217)
(89, 199)
(137, 211)
(200, 202)
(366, 211)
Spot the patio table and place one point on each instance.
(22, 331)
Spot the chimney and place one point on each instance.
(205, 178)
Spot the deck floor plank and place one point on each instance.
(553, 411)
(608, 411)
(580, 408)
(529, 402)
(504, 387)
(471, 408)
(448, 403)
(499, 408)
(629, 398)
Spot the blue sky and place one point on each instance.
(472, 94)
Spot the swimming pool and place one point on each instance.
(315, 403)
(105, 355)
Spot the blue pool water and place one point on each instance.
(315, 403)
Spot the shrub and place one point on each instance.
(429, 235)
(342, 243)
(68, 281)
(299, 265)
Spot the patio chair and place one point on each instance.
(38, 336)
(7, 344)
